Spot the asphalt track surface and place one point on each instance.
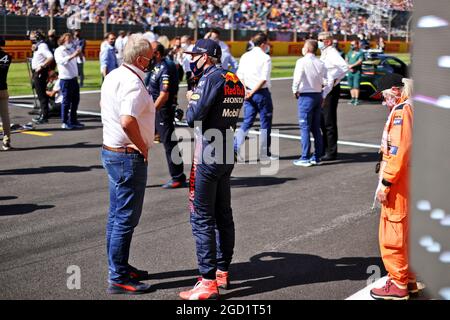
(303, 233)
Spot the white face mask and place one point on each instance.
(184, 46)
(69, 45)
(304, 51)
(321, 45)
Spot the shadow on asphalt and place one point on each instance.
(53, 169)
(270, 271)
(8, 198)
(246, 182)
(344, 158)
(78, 145)
(61, 129)
(19, 209)
(354, 157)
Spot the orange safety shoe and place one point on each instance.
(222, 279)
(203, 290)
(390, 291)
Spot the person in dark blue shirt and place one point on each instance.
(213, 111)
(163, 83)
(5, 62)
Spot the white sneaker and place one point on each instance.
(302, 163)
(6, 145)
(66, 126)
(268, 158)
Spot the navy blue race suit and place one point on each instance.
(164, 78)
(5, 62)
(213, 107)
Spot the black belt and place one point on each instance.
(121, 149)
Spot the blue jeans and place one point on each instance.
(260, 102)
(70, 91)
(309, 113)
(127, 173)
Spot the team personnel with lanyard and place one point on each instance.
(40, 63)
(162, 83)
(213, 109)
(254, 71)
(336, 70)
(128, 118)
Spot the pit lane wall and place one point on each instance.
(21, 49)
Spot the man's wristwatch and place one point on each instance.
(386, 183)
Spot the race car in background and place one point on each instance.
(375, 65)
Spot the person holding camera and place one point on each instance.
(40, 64)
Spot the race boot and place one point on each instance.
(203, 290)
(222, 279)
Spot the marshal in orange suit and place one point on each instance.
(393, 189)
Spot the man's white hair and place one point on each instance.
(137, 45)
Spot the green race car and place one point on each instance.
(375, 66)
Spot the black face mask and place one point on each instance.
(195, 69)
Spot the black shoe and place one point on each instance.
(40, 120)
(35, 112)
(328, 157)
(77, 125)
(138, 275)
(129, 287)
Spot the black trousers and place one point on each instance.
(165, 129)
(329, 121)
(40, 85)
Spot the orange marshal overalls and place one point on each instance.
(394, 226)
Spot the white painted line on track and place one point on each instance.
(85, 113)
(364, 294)
(98, 91)
(341, 142)
(254, 132)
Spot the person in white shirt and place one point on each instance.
(128, 118)
(65, 57)
(119, 45)
(42, 58)
(228, 61)
(309, 75)
(337, 68)
(187, 46)
(254, 72)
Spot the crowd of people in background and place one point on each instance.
(310, 16)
